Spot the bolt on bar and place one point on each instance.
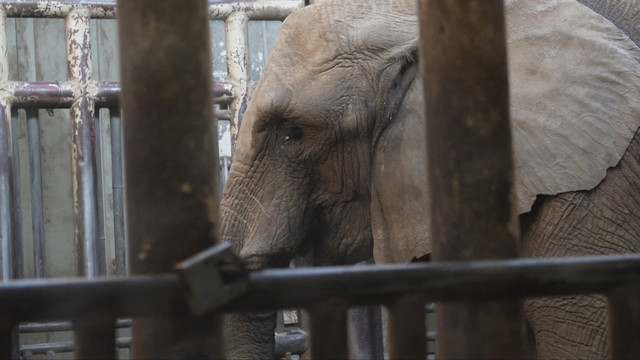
(464, 68)
(171, 161)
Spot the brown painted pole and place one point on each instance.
(464, 70)
(329, 329)
(406, 328)
(171, 160)
(624, 322)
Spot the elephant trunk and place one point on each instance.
(263, 219)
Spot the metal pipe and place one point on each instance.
(624, 321)
(237, 40)
(54, 299)
(365, 333)
(37, 208)
(7, 218)
(464, 68)
(329, 329)
(26, 328)
(118, 192)
(171, 160)
(105, 9)
(63, 347)
(83, 141)
(95, 337)
(406, 328)
(101, 256)
(254, 9)
(61, 94)
(8, 342)
(17, 256)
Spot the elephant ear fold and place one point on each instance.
(399, 184)
(575, 96)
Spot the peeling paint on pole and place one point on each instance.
(237, 31)
(83, 140)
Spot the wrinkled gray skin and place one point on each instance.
(330, 162)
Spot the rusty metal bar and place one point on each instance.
(95, 337)
(60, 94)
(171, 160)
(30, 300)
(237, 40)
(37, 216)
(624, 321)
(406, 329)
(83, 141)
(466, 91)
(118, 192)
(105, 9)
(329, 329)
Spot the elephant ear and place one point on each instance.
(575, 96)
(399, 201)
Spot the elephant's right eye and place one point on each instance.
(292, 133)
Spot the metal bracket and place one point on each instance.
(212, 277)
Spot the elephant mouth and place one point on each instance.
(261, 261)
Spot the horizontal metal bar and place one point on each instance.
(38, 300)
(60, 94)
(62, 326)
(106, 9)
(65, 347)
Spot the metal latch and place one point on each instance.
(212, 277)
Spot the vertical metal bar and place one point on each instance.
(624, 322)
(171, 160)
(7, 221)
(237, 38)
(37, 208)
(9, 348)
(329, 330)
(406, 328)
(95, 337)
(101, 256)
(365, 333)
(118, 191)
(83, 140)
(7, 216)
(464, 67)
(17, 257)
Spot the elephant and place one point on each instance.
(330, 161)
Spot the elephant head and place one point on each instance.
(300, 182)
(330, 160)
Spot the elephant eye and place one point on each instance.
(292, 133)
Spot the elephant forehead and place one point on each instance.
(332, 32)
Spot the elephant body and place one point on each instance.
(331, 161)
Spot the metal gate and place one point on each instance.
(165, 306)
